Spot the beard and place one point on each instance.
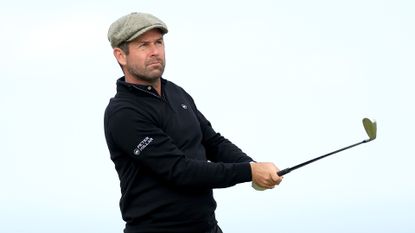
(150, 73)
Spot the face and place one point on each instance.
(145, 61)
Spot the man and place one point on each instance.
(165, 151)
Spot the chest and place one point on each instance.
(179, 120)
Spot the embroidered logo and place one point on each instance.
(142, 145)
(184, 106)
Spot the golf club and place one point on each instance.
(370, 128)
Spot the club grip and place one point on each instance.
(283, 172)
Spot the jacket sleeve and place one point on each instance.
(141, 139)
(218, 148)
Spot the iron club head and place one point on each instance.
(370, 127)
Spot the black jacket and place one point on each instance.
(168, 159)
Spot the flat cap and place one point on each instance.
(131, 26)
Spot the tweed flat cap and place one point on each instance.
(131, 26)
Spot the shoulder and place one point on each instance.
(118, 110)
(174, 89)
(171, 85)
(118, 104)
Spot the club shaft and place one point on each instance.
(287, 170)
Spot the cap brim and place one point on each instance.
(162, 29)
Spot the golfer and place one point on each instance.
(167, 155)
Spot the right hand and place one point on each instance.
(264, 174)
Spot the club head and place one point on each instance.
(370, 127)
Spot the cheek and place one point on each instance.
(135, 60)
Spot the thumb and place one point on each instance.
(275, 177)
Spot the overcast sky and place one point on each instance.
(284, 80)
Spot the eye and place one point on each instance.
(142, 45)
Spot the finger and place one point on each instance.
(272, 183)
(268, 185)
(275, 177)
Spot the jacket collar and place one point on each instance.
(123, 86)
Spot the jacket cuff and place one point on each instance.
(244, 172)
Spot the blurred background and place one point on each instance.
(284, 80)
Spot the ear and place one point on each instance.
(120, 56)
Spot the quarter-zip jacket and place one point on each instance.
(168, 159)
